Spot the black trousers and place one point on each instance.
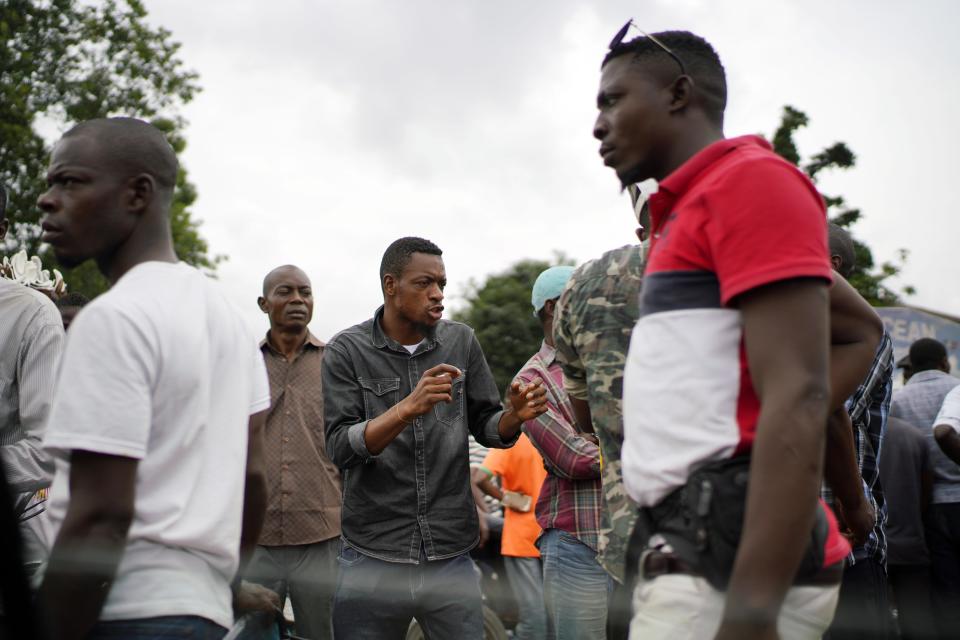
(910, 588)
(863, 611)
(943, 541)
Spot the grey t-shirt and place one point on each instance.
(904, 460)
(918, 403)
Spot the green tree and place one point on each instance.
(65, 61)
(500, 313)
(868, 278)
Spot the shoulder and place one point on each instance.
(762, 173)
(350, 337)
(622, 261)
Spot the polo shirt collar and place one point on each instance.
(312, 340)
(679, 181)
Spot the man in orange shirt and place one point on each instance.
(521, 473)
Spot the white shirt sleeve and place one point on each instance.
(260, 387)
(104, 400)
(950, 411)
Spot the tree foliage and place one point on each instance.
(65, 61)
(868, 278)
(500, 313)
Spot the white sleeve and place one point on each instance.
(104, 400)
(260, 383)
(950, 411)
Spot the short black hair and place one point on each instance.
(699, 58)
(3, 202)
(927, 353)
(841, 244)
(72, 299)
(133, 145)
(397, 255)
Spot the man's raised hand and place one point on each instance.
(528, 401)
(436, 385)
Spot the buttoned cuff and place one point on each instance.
(357, 441)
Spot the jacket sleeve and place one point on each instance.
(343, 409)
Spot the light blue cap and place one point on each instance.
(549, 285)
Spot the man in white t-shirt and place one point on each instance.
(161, 389)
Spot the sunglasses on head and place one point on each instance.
(622, 33)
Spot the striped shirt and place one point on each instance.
(570, 497)
(31, 344)
(869, 408)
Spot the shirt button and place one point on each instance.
(284, 467)
(286, 439)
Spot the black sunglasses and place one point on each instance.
(618, 38)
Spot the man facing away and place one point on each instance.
(729, 358)
(161, 391)
(401, 392)
(297, 551)
(918, 403)
(575, 586)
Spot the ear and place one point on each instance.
(837, 262)
(389, 284)
(549, 307)
(681, 93)
(262, 303)
(143, 189)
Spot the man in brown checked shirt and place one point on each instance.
(297, 551)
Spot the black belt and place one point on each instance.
(655, 563)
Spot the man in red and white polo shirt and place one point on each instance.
(730, 355)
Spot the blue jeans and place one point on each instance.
(376, 599)
(526, 578)
(162, 628)
(575, 587)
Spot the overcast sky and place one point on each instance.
(326, 130)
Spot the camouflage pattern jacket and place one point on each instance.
(595, 317)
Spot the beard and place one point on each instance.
(428, 331)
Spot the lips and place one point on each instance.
(605, 152)
(50, 232)
(435, 312)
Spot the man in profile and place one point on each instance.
(401, 392)
(157, 425)
(734, 313)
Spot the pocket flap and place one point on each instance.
(380, 386)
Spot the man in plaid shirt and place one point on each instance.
(575, 586)
(863, 609)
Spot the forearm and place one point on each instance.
(83, 565)
(781, 506)
(568, 454)
(383, 429)
(581, 411)
(487, 487)
(849, 365)
(949, 441)
(509, 425)
(841, 470)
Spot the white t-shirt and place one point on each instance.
(950, 410)
(161, 368)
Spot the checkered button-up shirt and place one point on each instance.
(868, 409)
(570, 497)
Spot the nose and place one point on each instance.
(436, 293)
(46, 202)
(600, 127)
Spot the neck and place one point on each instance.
(398, 327)
(548, 333)
(695, 140)
(288, 341)
(150, 241)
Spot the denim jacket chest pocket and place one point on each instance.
(452, 412)
(379, 394)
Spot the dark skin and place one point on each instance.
(4, 225)
(651, 121)
(95, 210)
(855, 332)
(288, 301)
(412, 306)
(948, 440)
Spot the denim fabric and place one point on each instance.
(526, 578)
(416, 492)
(575, 587)
(376, 600)
(308, 574)
(162, 628)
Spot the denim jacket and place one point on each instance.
(417, 490)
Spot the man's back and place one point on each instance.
(904, 460)
(161, 369)
(918, 403)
